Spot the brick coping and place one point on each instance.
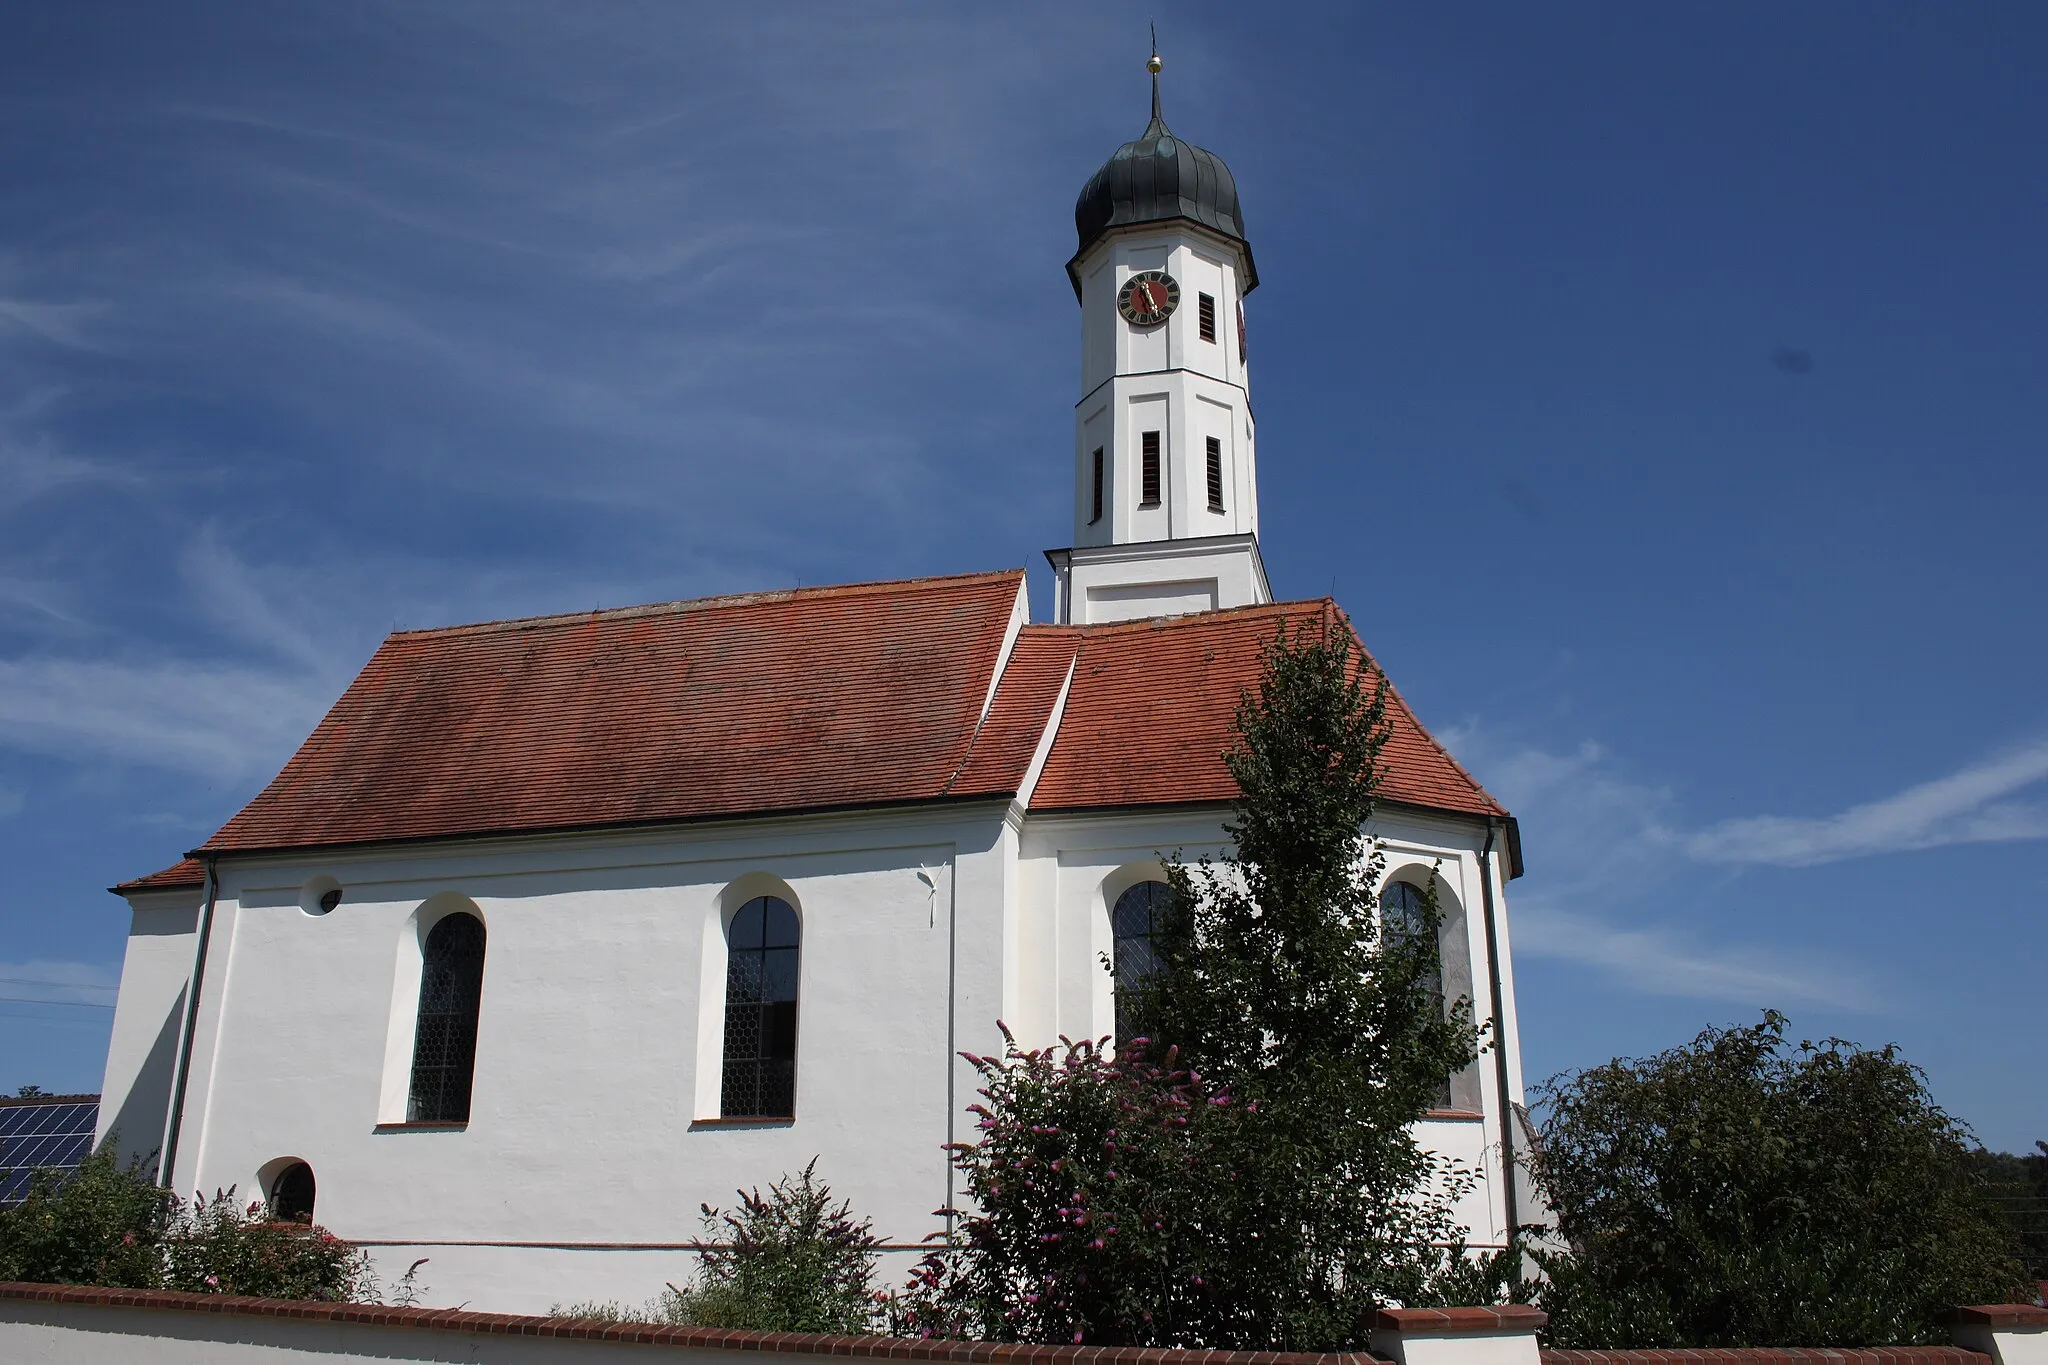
(1775, 1355)
(1459, 1322)
(1418, 1321)
(2000, 1315)
(648, 1334)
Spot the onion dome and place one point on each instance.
(1157, 178)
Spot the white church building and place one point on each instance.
(555, 929)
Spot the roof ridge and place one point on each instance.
(712, 603)
(1252, 610)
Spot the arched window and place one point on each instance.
(760, 1011)
(291, 1194)
(1138, 914)
(444, 1039)
(1402, 914)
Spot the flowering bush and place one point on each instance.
(790, 1261)
(1093, 1181)
(218, 1246)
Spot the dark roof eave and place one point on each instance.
(1382, 802)
(1239, 244)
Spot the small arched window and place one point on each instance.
(444, 1039)
(761, 950)
(1139, 913)
(1403, 914)
(291, 1194)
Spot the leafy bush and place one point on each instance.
(1740, 1192)
(1247, 1178)
(789, 1262)
(2018, 1185)
(670, 1308)
(217, 1246)
(99, 1224)
(105, 1224)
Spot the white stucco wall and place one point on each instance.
(594, 1133)
(148, 1015)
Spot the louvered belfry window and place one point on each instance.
(1215, 474)
(1148, 473)
(760, 1011)
(1096, 514)
(1207, 310)
(444, 1038)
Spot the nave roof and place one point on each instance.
(810, 699)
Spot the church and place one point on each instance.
(555, 929)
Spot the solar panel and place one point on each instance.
(39, 1133)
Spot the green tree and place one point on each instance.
(1739, 1191)
(1246, 1177)
(2019, 1187)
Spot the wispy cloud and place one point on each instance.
(228, 722)
(1668, 962)
(1966, 807)
(58, 324)
(1607, 859)
(1609, 847)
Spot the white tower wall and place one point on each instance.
(1133, 556)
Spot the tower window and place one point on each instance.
(1207, 311)
(1215, 474)
(1096, 503)
(760, 1010)
(1148, 469)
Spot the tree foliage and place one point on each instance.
(1246, 1178)
(1739, 1191)
(105, 1224)
(2018, 1185)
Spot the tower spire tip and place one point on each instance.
(1152, 64)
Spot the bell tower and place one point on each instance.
(1166, 495)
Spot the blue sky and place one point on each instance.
(1660, 387)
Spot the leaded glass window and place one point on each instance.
(1138, 916)
(444, 1040)
(761, 950)
(1401, 911)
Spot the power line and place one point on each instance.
(61, 985)
(38, 1000)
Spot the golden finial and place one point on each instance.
(1152, 63)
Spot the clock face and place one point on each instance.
(1148, 298)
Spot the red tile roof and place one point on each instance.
(1031, 683)
(1150, 715)
(810, 699)
(184, 872)
(769, 702)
